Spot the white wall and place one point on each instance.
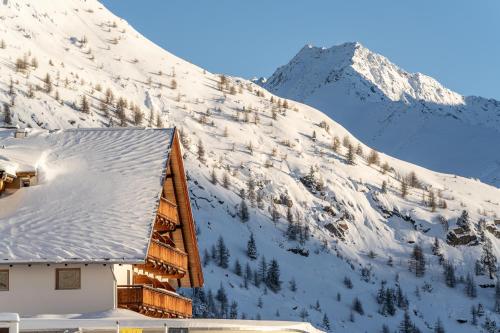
(32, 290)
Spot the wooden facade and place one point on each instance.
(173, 258)
(15, 182)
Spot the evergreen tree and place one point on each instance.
(470, 286)
(350, 154)
(243, 213)
(464, 221)
(490, 325)
(248, 275)
(385, 329)
(201, 151)
(211, 307)
(213, 177)
(7, 114)
(357, 306)
(326, 322)
(252, 248)
(48, 83)
(417, 261)
(221, 297)
(407, 326)
(233, 312)
(388, 306)
(84, 105)
(449, 275)
(206, 258)
(225, 180)
(222, 254)
(292, 285)
(404, 188)
(262, 269)
(273, 276)
(488, 259)
(474, 315)
(383, 189)
(373, 158)
(237, 268)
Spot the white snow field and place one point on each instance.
(407, 115)
(266, 149)
(96, 199)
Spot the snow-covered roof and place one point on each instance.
(96, 197)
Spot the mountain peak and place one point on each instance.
(359, 65)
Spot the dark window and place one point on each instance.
(68, 278)
(4, 280)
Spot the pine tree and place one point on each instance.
(84, 105)
(233, 311)
(373, 158)
(273, 276)
(225, 180)
(237, 268)
(248, 275)
(432, 201)
(206, 258)
(221, 297)
(470, 286)
(201, 151)
(406, 326)
(404, 188)
(252, 248)
(417, 261)
(213, 177)
(474, 315)
(243, 212)
(385, 329)
(48, 83)
(357, 306)
(463, 221)
(222, 253)
(350, 154)
(449, 275)
(262, 269)
(488, 259)
(326, 322)
(7, 114)
(383, 189)
(292, 285)
(121, 105)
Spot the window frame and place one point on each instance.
(69, 269)
(8, 279)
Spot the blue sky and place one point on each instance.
(457, 42)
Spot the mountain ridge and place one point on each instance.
(350, 83)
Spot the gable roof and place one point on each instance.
(96, 199)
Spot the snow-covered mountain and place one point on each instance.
(407, 115)
(333, 217)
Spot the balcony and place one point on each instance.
(168, 210)
(154, 302)
(165, 260)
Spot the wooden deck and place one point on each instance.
(154, 302)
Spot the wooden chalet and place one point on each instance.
(173, 259)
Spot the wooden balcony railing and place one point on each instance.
(168, 255)
(165, 260)
(168, 210)
(154, 302)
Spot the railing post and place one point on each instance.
(165, 328)
(117, 326)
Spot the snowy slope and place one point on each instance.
(407, 115)
(246, 136)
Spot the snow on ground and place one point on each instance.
(231, 127)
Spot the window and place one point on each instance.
(68, 278)
(4, 280)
